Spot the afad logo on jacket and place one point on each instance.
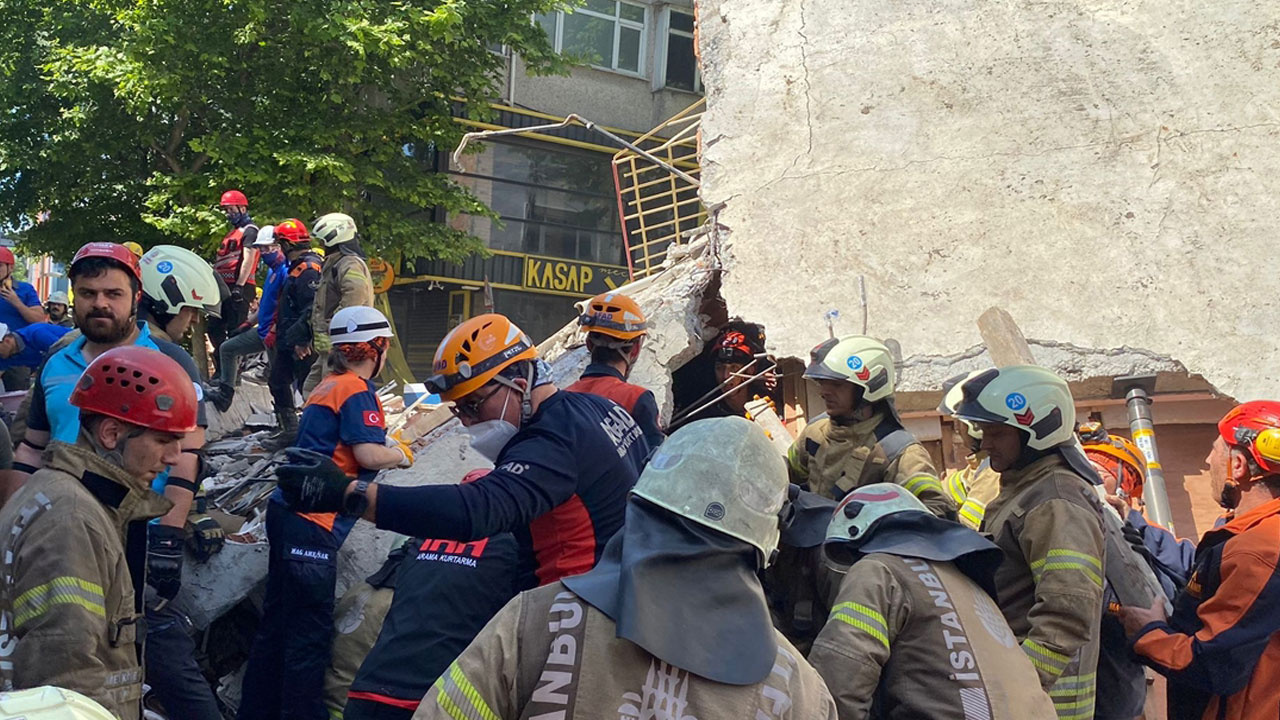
(452, 551)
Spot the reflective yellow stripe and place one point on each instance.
(922, 483)
(958, 490)
(453, 688)
(870, 622)
(973, 511)
(793, 458)
(1061, 559)
(1044, 658)
(1075, 684)
(64, 590)
(1082, 715)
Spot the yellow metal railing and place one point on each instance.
(659, 207)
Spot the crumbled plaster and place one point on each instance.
(1107, 171)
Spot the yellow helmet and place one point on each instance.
(134, 247)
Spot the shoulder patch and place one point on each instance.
(811, 446)
(373, 418)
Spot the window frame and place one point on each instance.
(619, 22)
(664, 52)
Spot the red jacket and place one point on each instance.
(1221, 648)
(606, 382)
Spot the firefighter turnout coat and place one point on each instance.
(1047, 521)
(899, 620)
(833, 458)
(344, 282)
(550, 654)
(74, 561)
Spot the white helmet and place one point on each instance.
(722, 473)
(858, 359)
(334, 229)
(358, 323)
(1027, 397)
(58, 298)
(174, 278)
(266, 236)
(951, 397)
(860, 509)
(50, 703)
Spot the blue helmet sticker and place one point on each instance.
(855, 362)
(165, 267)
(1015, 401)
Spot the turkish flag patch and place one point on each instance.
(373, 418)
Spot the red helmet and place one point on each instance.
(1255, 428)
(234, 197)
(111, 251)
(292, 231)
(6, 256)
(140, 386)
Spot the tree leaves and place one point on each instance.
(126, 119)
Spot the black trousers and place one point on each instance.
(172, 671)
(284, 678)
(287, 373)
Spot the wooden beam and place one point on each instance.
(1004, 339)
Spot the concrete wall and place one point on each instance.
(1107, 170)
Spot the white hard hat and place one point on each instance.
(266, 236)
(724, 474)
(858, 359)
(358, 324)
(334, 229)
(951, 397)
(860, 509)
(1027, 397)
(58, 298)
(4, 330)
(174, 278)
(50, 703)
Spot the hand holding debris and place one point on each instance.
(204, 536)
(311, 482)
(1136, 618)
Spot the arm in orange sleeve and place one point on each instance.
(1236, 623)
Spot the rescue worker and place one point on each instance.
(343, 421)
(20, 307)
(738, 354)
(106, 280)
(671, 623)
(914, 631)
(236, 263)
(975, 485)
(1221, 649)
(292, 357)
(464, 584)
(253, 339)
(27, 346)
(1047, 520)
(615, 328)
(861, 441)
(71, 590)
(563, 461)
(58, 308)
(344, 282)
(1122, 681)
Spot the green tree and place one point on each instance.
(125, 119)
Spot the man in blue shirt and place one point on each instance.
(20, 308)
(254, 339)
(25, 347)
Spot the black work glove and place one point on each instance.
(164, 559)
(204, 536)
(311, 482)
(1133, 536)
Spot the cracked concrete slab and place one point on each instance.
(1105, 170)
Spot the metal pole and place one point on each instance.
(1143, 431)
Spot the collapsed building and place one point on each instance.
(1105, 172)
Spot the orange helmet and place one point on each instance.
(475, 352)
(1118, 456)
(614, 315)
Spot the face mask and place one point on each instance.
(238, 219)
(489, 437)
(273, 259)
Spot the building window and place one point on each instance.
(609, 34)
(681, 69)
